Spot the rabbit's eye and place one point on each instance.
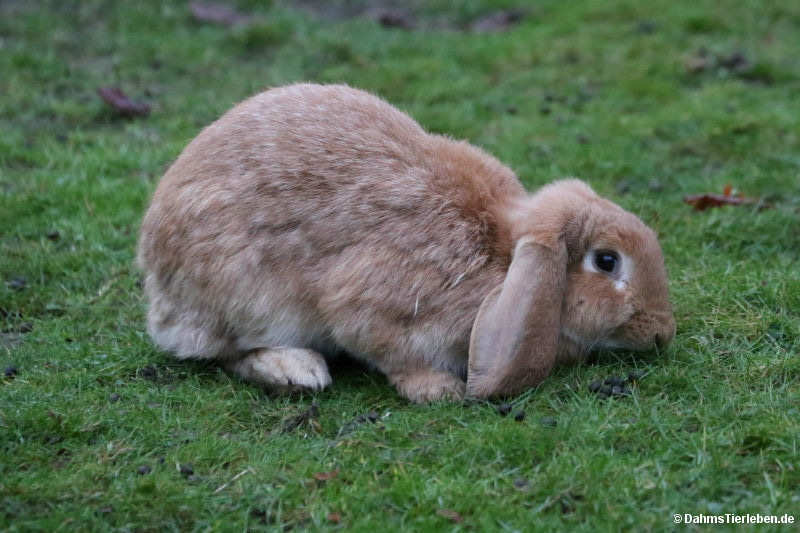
(606, 260)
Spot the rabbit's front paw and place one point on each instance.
(284, 368)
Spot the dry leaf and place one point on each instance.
(326, 476)
(334, 517)
(696, 64)
(451, 515)
(119, 101)
(498, 20)
(701, 202)
(217, 13)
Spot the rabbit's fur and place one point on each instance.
(315, 219)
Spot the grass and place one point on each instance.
(596, 90)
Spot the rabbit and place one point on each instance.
(312, 220)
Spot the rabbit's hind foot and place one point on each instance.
(428, 385)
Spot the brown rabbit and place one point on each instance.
(314, 219)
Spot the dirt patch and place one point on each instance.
(371, 417)
(306, 418)
(217, 14)
(161, 375)
(498, 20)
(731, 64)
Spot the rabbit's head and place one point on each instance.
(585, 274)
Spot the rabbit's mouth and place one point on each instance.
(573, 346)
(614, 344)
(645, 331)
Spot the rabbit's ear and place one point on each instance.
(515, 335)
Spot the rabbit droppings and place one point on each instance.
(314, 219)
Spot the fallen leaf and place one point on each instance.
(334, 517)
(696, 64)
(119, 101)
(326, 476)
(699, 62)
(498, 20)
(701, 202)
(451, 515)
(217, 13)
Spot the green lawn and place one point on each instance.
(648, 101)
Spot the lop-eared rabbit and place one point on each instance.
(315, 219)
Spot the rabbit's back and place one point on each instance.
(326, 210)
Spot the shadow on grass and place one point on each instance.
(351, 376)
(345, 370)
(626, 357)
